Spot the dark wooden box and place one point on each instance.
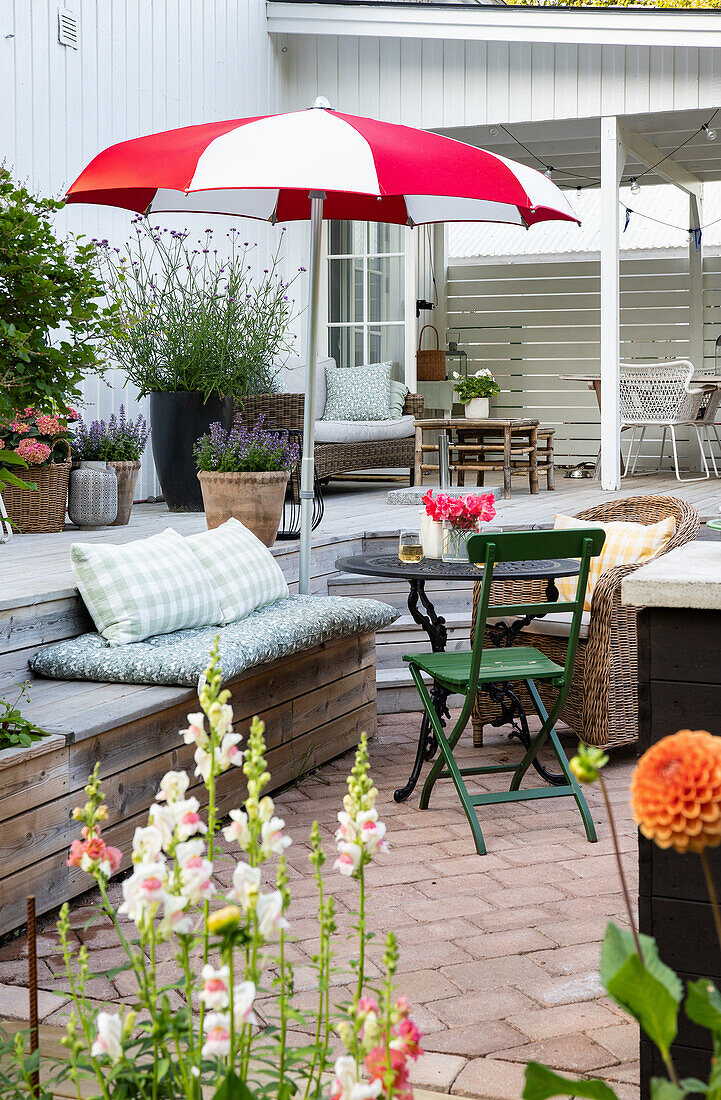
(679, 688)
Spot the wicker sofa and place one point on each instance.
(340, 447)
(602, 707)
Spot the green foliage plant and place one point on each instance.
(193, 316)
(53, 320)
(480, 384)
(631, 971)
(230, 943)
(16, 731)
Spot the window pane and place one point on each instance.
(345, 290)
(347, 238)
(385, 238)
(345, 344)
(386, 294)
(387, 342)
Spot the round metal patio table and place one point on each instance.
(424, 613)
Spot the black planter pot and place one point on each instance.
(177, 421)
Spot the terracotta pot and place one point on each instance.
(127, 475)
(255, 499)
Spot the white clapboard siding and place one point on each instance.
(531, 322)
(436, 84)
(140, 67)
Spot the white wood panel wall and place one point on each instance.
(141, 67)
(437, 84)
(531, 322)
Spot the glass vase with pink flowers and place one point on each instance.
(460, 516)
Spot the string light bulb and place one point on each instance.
(709, 131)
(493, 131)
(549, 171)
(635, 187)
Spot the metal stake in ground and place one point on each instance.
(33, 990)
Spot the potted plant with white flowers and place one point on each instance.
(474, 390)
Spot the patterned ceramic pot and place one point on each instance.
(255, 499)
(127, 476)
(93, 494)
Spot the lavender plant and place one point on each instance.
(193, 316)
(118, 440)
(241, 450)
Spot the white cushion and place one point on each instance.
(556, 624)
(363, 431)
(245, 574)
(292, 379)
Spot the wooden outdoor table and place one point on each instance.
(513, 448)
(594, 381)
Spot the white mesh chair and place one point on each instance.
(707, 420)
(660, 395)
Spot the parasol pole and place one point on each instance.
(307, 464)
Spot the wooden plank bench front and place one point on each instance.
(315, 705)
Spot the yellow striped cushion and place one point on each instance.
(626, 544)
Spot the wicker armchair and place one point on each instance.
(285, 410)
(602, 707)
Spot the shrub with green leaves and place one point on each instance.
(52, 316)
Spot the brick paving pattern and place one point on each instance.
(499, 953)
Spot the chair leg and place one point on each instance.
(446, 758)
(706, 474)
(630, 453)
(638, 449)
(706, 434)
(663, 448)
(564, 765)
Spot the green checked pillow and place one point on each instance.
(245, 574)
(147, 587)
(358, 393)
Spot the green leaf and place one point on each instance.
(542, 1082)
(650, 991)
(703, 1005)
(663, 1089)
(232, 1088)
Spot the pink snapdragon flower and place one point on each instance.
(92, 854)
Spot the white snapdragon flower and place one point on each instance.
(272, 839)
(243, 997)
(221, 717)
(173, 786)
(266, 809)
(269, 911)
(215, 993)
(346, 1085)
(246, 886)
(144, 890)
(202, 763)
(238, 829)
(347, 830)
(195, 879)
(217, 1035)
(188, 821)
(229, 752)
(109, 1037)
(195, 733)
(176, 918)
(147, 844)
(372, 832)
(349, 857)
(163, 820)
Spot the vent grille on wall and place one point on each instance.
(68, 34)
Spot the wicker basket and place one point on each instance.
(41, 510)
(431, 362)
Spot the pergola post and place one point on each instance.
(695, 320)
(613, 159)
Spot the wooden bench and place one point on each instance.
(315, 704)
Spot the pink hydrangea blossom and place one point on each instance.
(33, 451)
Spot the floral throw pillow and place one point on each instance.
(358, 393)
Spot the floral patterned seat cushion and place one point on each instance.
(282, 628)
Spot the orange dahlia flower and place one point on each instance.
(676, 791)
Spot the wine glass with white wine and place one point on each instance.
(410, 547)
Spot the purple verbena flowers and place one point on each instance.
(243, 450)
(118, 440)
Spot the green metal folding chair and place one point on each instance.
(465, 673)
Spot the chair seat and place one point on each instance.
(514, 663)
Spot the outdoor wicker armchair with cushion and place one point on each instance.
(602, 705)
(372, 445)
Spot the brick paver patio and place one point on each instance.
(499, 953)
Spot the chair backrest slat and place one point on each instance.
(505, 546)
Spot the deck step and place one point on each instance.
(446, 596)
(404, 636)
(397, 693)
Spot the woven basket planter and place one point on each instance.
(41, 510)
(255, 499)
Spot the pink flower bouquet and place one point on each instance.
(461, 516)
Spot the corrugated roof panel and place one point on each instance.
(662, 202)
